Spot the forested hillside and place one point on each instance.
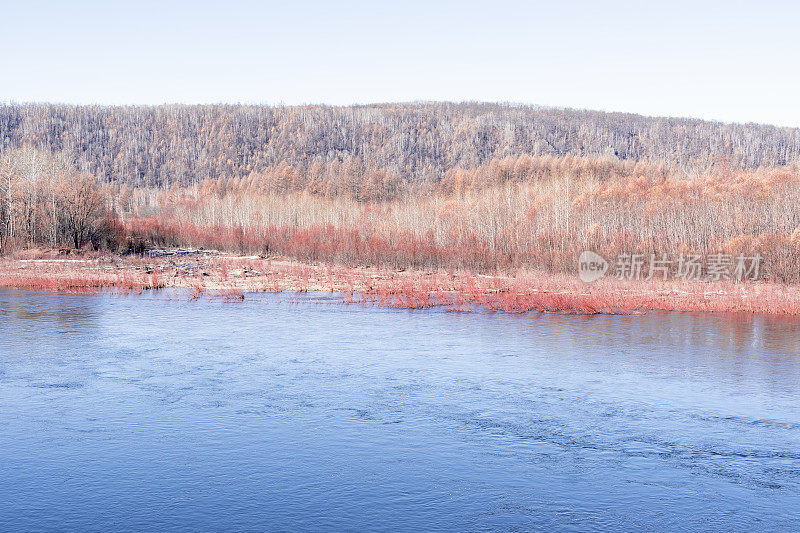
(457, 186)
(328, 149)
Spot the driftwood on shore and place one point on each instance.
(167, 252)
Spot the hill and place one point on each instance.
(403, 143)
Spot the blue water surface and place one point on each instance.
(154, 413)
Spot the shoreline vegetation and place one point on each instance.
(461, 206)
(215, 275)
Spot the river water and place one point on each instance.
(155, 413)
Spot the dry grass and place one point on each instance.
(230, 278)
(520, 224)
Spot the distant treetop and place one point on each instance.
(412, 143)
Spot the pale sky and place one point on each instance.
(724, 60)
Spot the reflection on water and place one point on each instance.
(156, 413)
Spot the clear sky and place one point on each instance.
(726, 60)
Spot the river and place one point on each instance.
(154, 412)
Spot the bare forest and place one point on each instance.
(482, 187)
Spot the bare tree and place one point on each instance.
(83, 206)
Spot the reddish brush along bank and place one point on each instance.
(503, 219)
(231, 278)
(522, 224)
(539, 225)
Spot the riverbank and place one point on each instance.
(218, 275)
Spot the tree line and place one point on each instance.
(45, 200)
(390, 146)
(476, 186)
